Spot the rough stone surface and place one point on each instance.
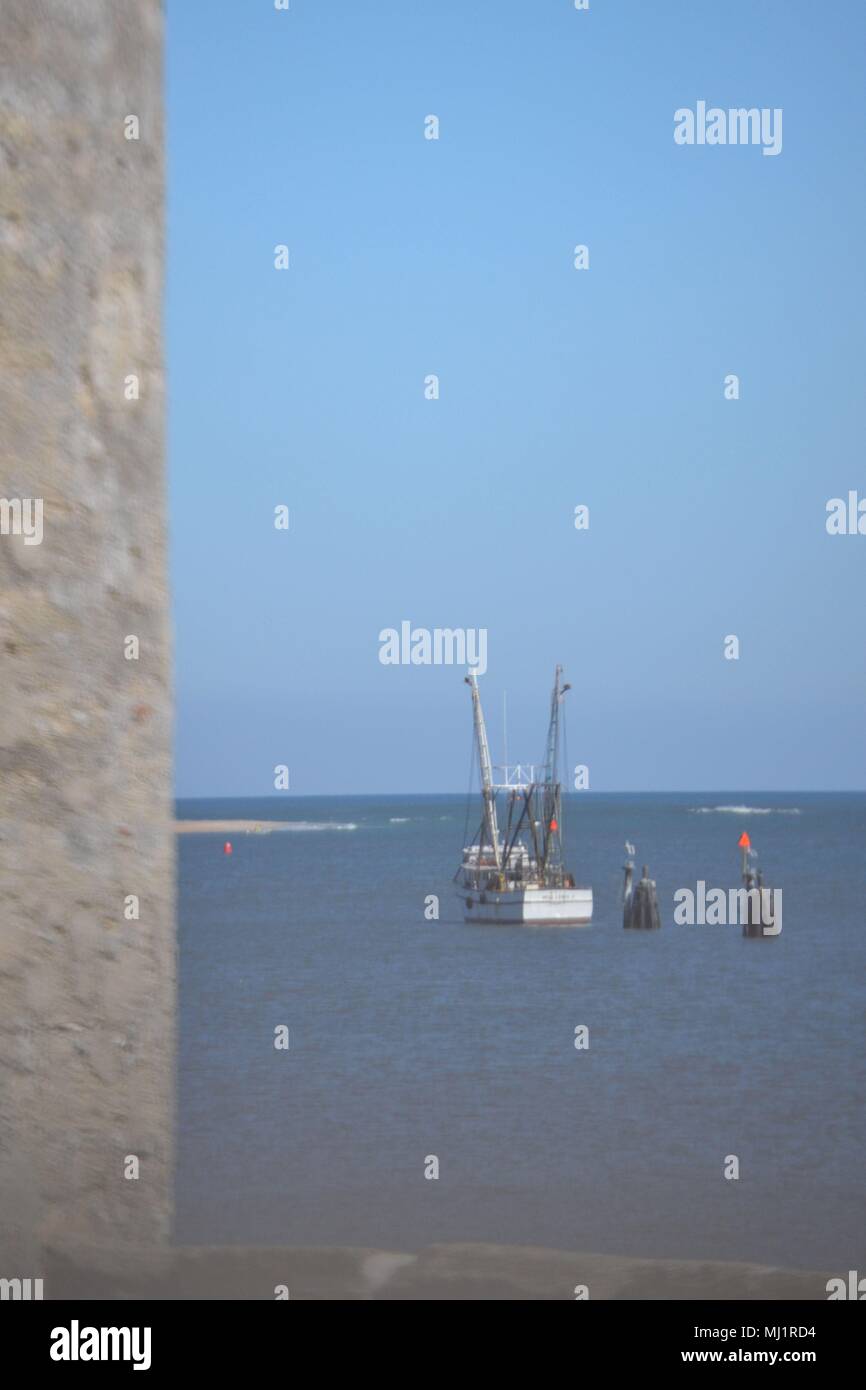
(86, 996)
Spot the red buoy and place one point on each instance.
(227, 847)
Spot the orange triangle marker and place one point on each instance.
(744, 842)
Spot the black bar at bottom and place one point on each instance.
(222, 1338)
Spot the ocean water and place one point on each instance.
(411, 1037)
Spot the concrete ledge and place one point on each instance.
(440, 1272)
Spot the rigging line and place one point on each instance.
(505, 729)
(469, 792)
(516, 829)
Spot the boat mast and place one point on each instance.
(487, 790)
(551, 799)
(552, 757)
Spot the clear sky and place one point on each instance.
(558, 387)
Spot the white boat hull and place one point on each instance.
(530, 907)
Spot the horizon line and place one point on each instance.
(587, 792)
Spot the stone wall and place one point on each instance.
(86, 990)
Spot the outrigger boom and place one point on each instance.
(517, 876)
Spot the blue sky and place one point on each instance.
(558, 387)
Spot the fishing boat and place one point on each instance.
(515, 875)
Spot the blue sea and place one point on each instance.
(411, 1037)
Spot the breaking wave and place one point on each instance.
(316, 825)
(745, 810)
(399, 820)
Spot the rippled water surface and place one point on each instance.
(411, 1037)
